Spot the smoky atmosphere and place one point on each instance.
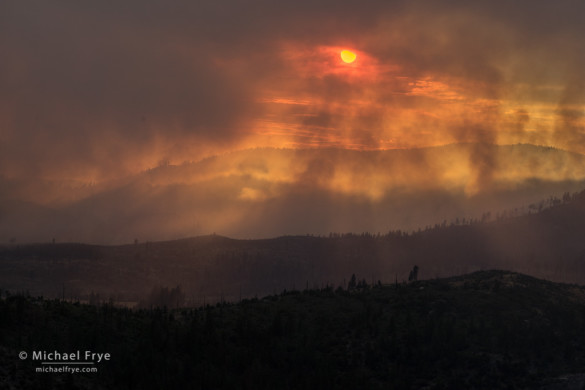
(154, 121)
(333, 194)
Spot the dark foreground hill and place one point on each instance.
(486, 330)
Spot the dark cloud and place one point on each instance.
(79, 81)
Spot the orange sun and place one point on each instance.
(348, 56)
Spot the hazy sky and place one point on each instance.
(91, 90)
(94, 93)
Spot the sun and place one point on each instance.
(348, 56)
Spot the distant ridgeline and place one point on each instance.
(545, 240)
(486, 330)
(265, 193)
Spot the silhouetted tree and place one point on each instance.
(352, 283)
(413, 276)
(362, 284)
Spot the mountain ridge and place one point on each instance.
(545, 244)
(271, 192)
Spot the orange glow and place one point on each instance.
(257, 175)
(322, 97)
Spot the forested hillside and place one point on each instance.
(487, 330)
(546, 243)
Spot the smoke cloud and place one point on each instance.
(92, 95)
